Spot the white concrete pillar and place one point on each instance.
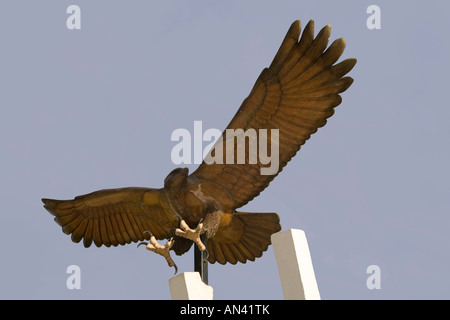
(294, 265)
(189, 286)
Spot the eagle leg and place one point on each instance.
(191, 234)
(162, 250)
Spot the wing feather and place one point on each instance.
(96, 230)
(116, 230)
(128, 228)
(111, 217)
(103, 229)
(296, 95)
(228, 253)
(77, 234)
(218, 252)
(87, 238)
(110, 231)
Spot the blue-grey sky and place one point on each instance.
(90, 109)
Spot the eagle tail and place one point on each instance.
(255, 239)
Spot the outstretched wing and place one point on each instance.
(113, 217)
(296, 95)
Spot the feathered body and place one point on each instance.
(296, 95)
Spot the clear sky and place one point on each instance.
(90, 109)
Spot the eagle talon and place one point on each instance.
(191, 234)
(146, 243)
(176, 268)
(180, 218)
(205, 259)
(162, 250)
(148, 232)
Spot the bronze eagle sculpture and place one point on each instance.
(296, 94)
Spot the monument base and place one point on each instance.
(294, 265)
(189, 286)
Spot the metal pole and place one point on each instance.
(200, 262)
